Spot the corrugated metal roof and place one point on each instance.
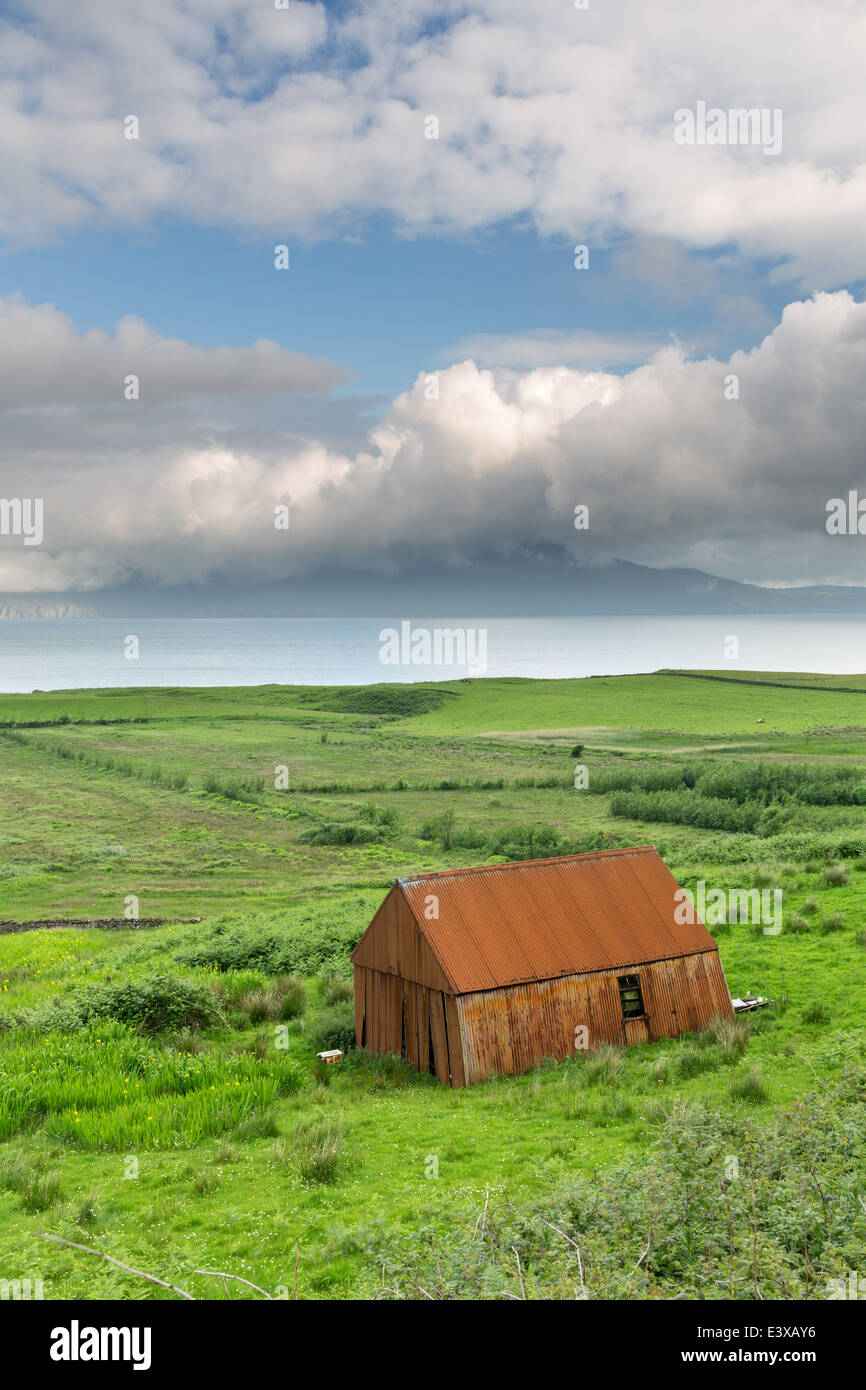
(504, 924)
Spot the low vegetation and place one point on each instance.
(160, 1096)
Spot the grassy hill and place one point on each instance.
(160, 1100)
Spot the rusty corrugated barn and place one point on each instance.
(474, 971)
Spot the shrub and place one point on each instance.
(341, 833)
(304, 948)
(335, 1027)
(383, 816)
(150, 1003)
(443, 828)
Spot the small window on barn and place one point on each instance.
(630, 996)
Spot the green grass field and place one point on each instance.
(159, 1095)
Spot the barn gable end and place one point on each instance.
(395, 943)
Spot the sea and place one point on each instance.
(84, 653)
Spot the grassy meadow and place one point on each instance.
(160, 1100)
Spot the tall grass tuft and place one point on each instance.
(319, 1144)
(604, 1066)
(336, 989)
(750, 1088)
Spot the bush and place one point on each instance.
(342, 833)
(686, 807)
(150, 1004)
(334, 1028)
(304, 948)
(383, 816)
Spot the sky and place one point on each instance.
(438, 375)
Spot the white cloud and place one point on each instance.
(301, 122)
(672, 471)
(43, 361)
(583, 348)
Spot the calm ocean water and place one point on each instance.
(85, 653)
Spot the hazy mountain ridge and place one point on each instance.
(542, 585)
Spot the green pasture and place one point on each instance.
(159, 1095)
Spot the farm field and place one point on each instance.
(159, 1095)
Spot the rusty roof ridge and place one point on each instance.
(524, 863)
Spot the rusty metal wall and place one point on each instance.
(385, 1006)
(507, 1031)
